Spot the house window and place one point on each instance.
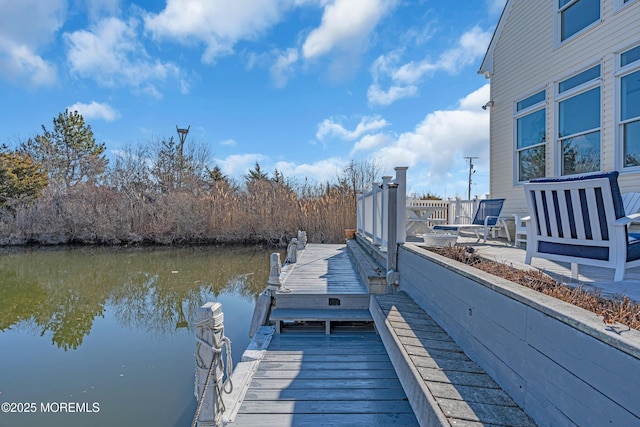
(579, 122)
(630, 107)
(576, 15)
(531, 125)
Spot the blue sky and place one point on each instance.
(298, 85)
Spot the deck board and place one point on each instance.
(314, 379)
(324, 269)
(463, 391)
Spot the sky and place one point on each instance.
(301, 86)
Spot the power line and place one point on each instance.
(471, 171)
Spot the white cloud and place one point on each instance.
(369, 142)
(19, 64)
(282, 70)
(218, 24)
(403, 80)
(229, 142)
(330, 127)
(238, 165)
(99, 8)
(320, 171)
(496, 6)
(378, 96)
(441, 140)
(346, 25)
(111, 54)
(95, 110)
(26, 27)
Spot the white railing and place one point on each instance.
(373, 217)
(373, 206)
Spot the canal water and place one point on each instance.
(105, 336)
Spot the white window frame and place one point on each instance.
(542, 105)
(620, 73)
(621, 4)
(558, 22)
(570, 93)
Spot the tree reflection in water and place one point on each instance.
(59, 292)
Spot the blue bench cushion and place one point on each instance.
(633, 247)
(591, 252)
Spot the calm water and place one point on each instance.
(114, 327)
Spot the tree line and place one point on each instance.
(59, 188)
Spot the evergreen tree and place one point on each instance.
(256, 174)
(69, 152)
(20, 177)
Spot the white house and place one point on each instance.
(565, 93)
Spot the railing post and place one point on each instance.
(359, 212)
(376, 218)
(384, 213)
(302, 240)
(292, 252)
(275, 268)
(392, 243)
(401, 204)
(209, 353)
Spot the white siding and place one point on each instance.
(525, 61)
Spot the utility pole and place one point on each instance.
(470, 172)
(182, 134)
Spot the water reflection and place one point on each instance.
(59, 293)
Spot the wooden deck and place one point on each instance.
(322, 286)
(308, 379)
(450, 389)
(345, 376)
(323, 269)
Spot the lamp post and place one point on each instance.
(182, 135)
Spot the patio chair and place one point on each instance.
(631, 203)
(486, 218)
(581, 220)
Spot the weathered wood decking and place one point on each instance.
(448, 388)
(323, 269)
(322, 286)
(347, 377)
(318, 380)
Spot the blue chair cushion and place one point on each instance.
(633, 247)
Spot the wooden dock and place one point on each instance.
(308, 379)
(324, 363)
(323, 286)
(325, 366)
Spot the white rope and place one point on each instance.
(206, 324)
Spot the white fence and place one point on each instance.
(373, 215)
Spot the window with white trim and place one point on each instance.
(579, 120)
(630, 107)
(619, 4)
(531, 126)
(576, 15)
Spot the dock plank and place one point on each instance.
(323, 268)
(329, 420)
(314, 379)
(456, 388)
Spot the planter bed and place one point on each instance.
(562, 364)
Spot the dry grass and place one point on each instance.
(265, 214)
(621, 310)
